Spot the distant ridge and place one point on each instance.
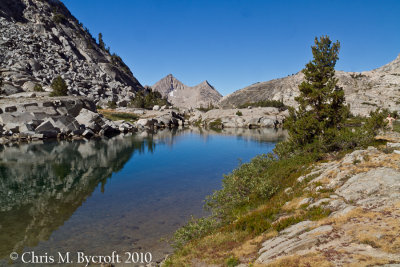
(365, 91)
(181, 95)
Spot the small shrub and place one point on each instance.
(117, 61)
(112, 104)
(239, 113)
(59, 18)
(195, 228)
(208, 108)
(38, 88)
(59, 86)
(232, 261)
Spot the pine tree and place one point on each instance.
(321, 108)
(59, 86)
(101, 42)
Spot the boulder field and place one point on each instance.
(37, 117)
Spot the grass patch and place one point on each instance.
(265, 103)
(116, 116)
(208, 108)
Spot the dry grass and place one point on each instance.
(364, 260)
(307, 260)
(249, 250)
(293, 204)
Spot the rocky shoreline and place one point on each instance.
(36, 116)
(25, 118)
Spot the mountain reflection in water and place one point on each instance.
(55, 196)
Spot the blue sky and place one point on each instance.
(233, 43)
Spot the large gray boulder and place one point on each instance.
(90, 119)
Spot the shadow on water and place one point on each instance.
(42, 185)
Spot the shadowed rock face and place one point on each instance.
(181, 95)
(364, 91)
(13, 9)
(41, 40)
(42, 185)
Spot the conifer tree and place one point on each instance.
(101, 42)
(321, 108)
(59, 86)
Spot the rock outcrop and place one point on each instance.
(41, 40)
(35, 118)
(180, 95)
(364, 91)
(267, 117)
(362, 192)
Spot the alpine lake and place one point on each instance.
(126, 194)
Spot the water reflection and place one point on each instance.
(43, 184)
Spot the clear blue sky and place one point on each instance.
(233, 44)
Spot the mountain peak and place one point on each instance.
(182, 95)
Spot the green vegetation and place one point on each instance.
(216, 125)
(101, 42)
(147, 99)
(117, 61)
(321, 109)
(59, 86)
(369, 104)
(112, 104)
(232, 261)
(265, 103)
(59, 18)
(239, 113)
(252, 199)
(396, 126)
(208, 108)
(116, 116)
(356, 76)
(38, 88)
(195, 228)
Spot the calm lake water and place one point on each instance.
(124, 194)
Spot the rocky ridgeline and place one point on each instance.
(364, 91)
(35, 118)
(40, 40)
